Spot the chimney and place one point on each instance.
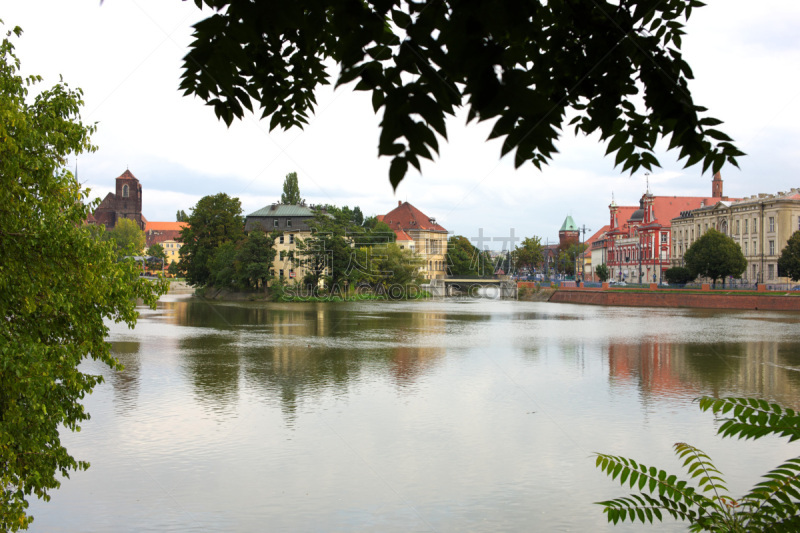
(399, 203)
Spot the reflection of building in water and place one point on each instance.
(752, 369)
(651, 366)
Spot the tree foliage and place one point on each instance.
(771, 505)
(465, 259)
(214, 221)
(529, 254)
(678, 275)
(291, 190)
(254, 260)
(615, 67)
(157, 251)
(181, 216)
(603, 272)
(715, 256)
(789, 261)
(59, 282)
(127, 236)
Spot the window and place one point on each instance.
(771, 224)
(745, 225)
(125, 191)
(755, 225)
(291, 238)
(280, 239)
(281, 275)
(737, 227)
(770, 271)
(745, 247)
(755, 246)
(755, 273)
(771, 247)
(275, 223)
(288, 222)
(663, 238)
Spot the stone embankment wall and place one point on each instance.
(678, 298)
(529, 292)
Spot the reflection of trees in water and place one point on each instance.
(292, 352)
(212, 362)
(306, 353)
(695, 369)
(125, 382)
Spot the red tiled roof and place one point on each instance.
(402, 235)
(624, 213)
(407, 217)
(665, 208)
(164, 226)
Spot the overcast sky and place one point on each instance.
(126, 56)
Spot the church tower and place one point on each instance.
(716, 186)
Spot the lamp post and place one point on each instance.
(639, 249)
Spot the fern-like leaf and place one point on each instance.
(752, 418)
(777, 498)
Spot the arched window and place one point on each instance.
(125, 191)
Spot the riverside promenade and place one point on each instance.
(653, 296)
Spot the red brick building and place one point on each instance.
(125, 203)
(638, 239)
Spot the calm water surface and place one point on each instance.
(454, 415)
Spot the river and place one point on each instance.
(447, 415)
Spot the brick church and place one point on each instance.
(125, 203)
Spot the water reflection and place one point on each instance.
(125, 382)
(457, 415)
(295, 353)
(718, 369)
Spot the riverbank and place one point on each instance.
(674, 298)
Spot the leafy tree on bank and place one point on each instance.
(568, 257)
(173, 268)
(529, 254)
(254, 260)
(715, 256)
(678, 275)
(375, 232)
(127, 237)
(602, 272)
(327, 254)
(157, 257)
(526, 66)
(771, 505)
(789, 261)
(214, 221)
(291, 190)
(60, 284)
(388, 266)
(465, 259)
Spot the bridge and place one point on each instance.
(505, 288)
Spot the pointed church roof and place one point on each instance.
(569, 224)
(128, 174)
